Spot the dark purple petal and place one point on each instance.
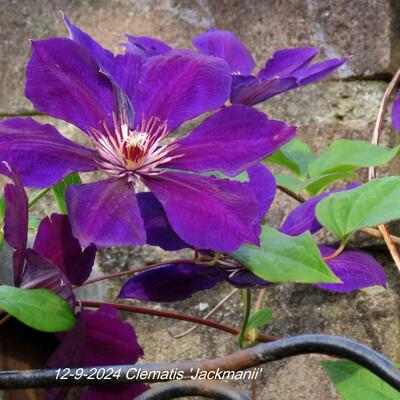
(109, 340)
(246, 279)
(250, 136)
(263, 184)
(355, 268)
(207, 212)
(396, 112)
(158, 229)
(16, 223)
(55, 242)
(250, 90)
(284, 62)
(40, 154)
(105, 213)
(180, 86)
(303, 217)
(318, 71)
(172, 282)
(40, 273)
(226, 45)
(68, 354)
(150, 46)
(103, 57)
(63, 80)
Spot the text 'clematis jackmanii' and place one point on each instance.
(127, 105)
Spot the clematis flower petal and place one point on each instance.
(263, 184)
(246, 279)
(181, 85)
(64, 81)
(40, 273)
(303, 217)
(39, 154)
(54, 241)
(318, 71)
(226, 45)
(150, 46)
(103, 57)
(207, 212)
(251, 90)
(284, 62)
(99, 338)
(16, 223)
(172, 282)
(355, 268)
(105, 213)
(250, 134)
(158, 229)
(396, 112)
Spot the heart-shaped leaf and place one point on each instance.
(259, 319)
(283, 258)
(371, 204)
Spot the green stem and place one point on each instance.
(247, 308)
(38, 196)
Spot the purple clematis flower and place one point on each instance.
(287, 69)
(128, 105)
(396, 112)
(99, 338)
(56, 259)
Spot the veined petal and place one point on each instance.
(55, 242)
(263, 184)
(149, 46)
(284, 62)
(230, 141)
(206, 212)
(103, 57)
(40, 154)
(251, 90)
(158, 229)
(172, 282)
(105, 213)
(355, 268)
(40, 273)
(226, 45)
(181, 85)
(63, 80)
(16, 223)
(318, 71)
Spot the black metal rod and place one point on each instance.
(252, 357)
(175, 390)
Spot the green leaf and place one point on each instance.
(354, 382)
(374, 203)
(315, 185)
(283, 258)
(259, 319)
(2, 209)
(34, 222)
(290, 182)
(40, 309)
(295, 156)
(60, 188)
(348, 155)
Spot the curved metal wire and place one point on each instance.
(175, 390)
(252, 357)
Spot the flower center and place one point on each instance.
(132, 153)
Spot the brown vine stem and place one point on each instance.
(372, 170)
(174, 315)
